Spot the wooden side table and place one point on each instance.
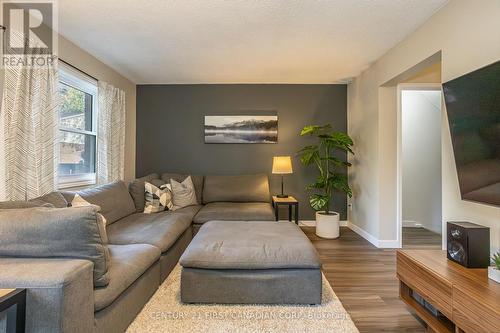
(10, 298)
(290, 202)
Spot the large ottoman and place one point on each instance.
(246, 262)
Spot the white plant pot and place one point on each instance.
(494, 274)
(327, 226)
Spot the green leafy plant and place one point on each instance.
(495, 259)
(321, 156)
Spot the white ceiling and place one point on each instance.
(240, 41)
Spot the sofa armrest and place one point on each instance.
(60, 292)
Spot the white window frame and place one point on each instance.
(79, 80)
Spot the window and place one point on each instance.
(77, 128)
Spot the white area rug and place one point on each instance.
(165, 313)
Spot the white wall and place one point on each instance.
(421, 158)
(467, 33)
(362, 125)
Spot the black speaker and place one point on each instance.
(468, 244)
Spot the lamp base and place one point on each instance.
(282, 196)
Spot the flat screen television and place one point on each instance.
(473, 108)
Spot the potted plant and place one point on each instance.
(494, 271)
(330, 178)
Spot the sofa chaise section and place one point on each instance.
(235, 198)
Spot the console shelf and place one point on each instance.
(437, 324)
(466, 297)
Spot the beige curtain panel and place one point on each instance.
(110, 134)
(29, 132)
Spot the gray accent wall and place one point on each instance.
(170, 133)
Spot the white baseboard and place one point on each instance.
(388, 244)
(312, 223)
(411, 224)
(380, 243)
(303, 223)
(363, 233)
(307, 223)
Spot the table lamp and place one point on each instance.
(282, 165)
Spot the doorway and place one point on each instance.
(420, 165)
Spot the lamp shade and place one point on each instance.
(282, 165)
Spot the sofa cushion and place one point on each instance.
(19, 204)
(127, 264)
(197, 181)
(54, 198)
(160, 229)
(244, 188)
(113, 198)
(235, 211)
(136, 189)
(56, 232)
(252, 245)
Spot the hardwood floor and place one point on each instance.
(421, 238)
(364, 279)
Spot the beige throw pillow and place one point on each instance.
(78, 201)
(184, 193)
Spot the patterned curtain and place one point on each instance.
(29, 123)
(110, 134)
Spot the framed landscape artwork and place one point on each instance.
(241, 129)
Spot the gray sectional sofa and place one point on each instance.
(138, 250)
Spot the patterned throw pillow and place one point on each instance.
(184, 193)
(157, 198)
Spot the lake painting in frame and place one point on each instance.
(241, 129)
